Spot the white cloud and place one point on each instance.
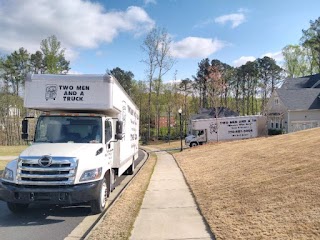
(243, 60)
(69, 53)
(277, 56)
(204, 23)
(76, 23)
(73, 72)
(194, 47)
(243, 10)
(146, 2)
(235, 18)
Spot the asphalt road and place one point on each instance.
(40, 222)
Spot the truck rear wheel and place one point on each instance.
(130, 170)
(99, 205)
(193, 144)
(17, 207)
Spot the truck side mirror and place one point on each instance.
(24, 134)
(119, 130)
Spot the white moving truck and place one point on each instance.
(227, 128)
(86, 136)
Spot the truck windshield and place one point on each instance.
(63, 129)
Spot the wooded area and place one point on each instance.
(13, 70)
(243, 89)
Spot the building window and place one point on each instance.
(276, 101)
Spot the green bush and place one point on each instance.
(275, 131)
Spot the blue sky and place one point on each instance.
(105, 34)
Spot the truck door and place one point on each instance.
(202, 136)
(108, 137)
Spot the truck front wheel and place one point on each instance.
(17, 207)
(99, 205)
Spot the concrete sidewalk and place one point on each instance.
(168, 210)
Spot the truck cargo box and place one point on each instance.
(81, 93)
(231, 128)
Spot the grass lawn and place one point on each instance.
(3, 164)
(264, 188)
(12, 150)
(166, 145)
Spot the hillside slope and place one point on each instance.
(266, 188)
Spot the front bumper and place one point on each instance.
(49, 194)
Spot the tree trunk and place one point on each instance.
(149, 113)
(237, 97)
(252, 102)
(226, 97)
(158, 117)
(169, 123)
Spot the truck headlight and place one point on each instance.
(91, 174)
(7, 174)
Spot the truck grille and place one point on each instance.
(46, 170)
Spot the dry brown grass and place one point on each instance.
(119, 221)
(3, 164)
(265, 188)
(12, 150)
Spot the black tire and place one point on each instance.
(193, 144)
(130, 170)
(17, 207)
(99, 205)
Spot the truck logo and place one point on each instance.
(213, 128)
(45, 161)
(51, 91)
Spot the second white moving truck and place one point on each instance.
(226, 128)
(86, 136)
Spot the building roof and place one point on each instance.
(300, 99)
(210, 113)
(311, 81)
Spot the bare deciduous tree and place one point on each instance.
(157, 48)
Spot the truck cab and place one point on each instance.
(71, 160)
(198, 137)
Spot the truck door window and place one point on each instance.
(108, 131)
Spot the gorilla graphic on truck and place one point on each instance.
(51, 92)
